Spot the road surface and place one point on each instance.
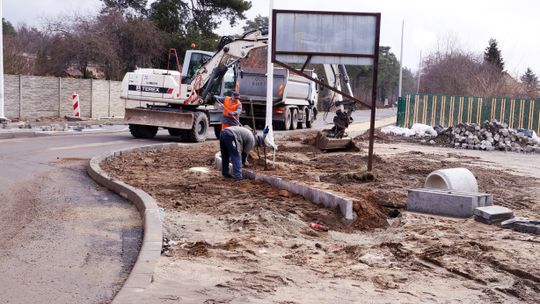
(64, 239)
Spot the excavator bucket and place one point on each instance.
(325, 143)
(165, 119)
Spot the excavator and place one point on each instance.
(185, 101)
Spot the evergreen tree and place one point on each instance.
(492, 55)
(530, 81)
(256, 23)
(194, 22)
(128, 7)
(7, 27)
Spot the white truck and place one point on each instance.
(185, 102)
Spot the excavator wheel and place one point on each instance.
(141, 131)
(199, 129)
(175, 132)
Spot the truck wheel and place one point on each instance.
(140, 131)
(175, 132)
(285, 124)
(300, 124)
(309, 118)
(199, 129)
(294, 121)
(217, 131)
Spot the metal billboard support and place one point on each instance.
(2, 99)
(374, 57)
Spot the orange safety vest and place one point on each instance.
(229, 107)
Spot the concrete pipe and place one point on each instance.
(458, 179)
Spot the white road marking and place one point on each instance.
(90, 145)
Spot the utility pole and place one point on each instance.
(419, 73)
(401, 61)
(3, 118)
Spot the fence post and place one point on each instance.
(109, 109)
(20, 97)
(91, 97)
(59, 97)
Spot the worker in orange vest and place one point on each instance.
(232, 108)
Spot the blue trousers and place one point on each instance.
(230, 154)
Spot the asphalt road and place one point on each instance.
(64, 239)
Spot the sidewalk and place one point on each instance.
(359, 128)
(12, 130)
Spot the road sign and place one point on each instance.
(325, 37)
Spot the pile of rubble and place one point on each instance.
(488, 136)
(491, 136)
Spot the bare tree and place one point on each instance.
(453, 71)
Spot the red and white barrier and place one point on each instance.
(76, 109)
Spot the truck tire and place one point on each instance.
(300, 124)
(294, 120)
(140, 131)
(217, 131)
(175, 132)
(285, 124)
(199, 129)
(309, 118)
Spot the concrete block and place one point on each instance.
(509, 224)
(317, 196)
(527, 227)
(447, 202)
(492, 214)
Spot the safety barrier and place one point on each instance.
(451, 110)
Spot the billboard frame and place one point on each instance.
(309, 55)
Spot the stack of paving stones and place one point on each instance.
(492, 214)
(493, 135)
(522, 224)
(505, 217)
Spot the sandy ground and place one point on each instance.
(249, 243)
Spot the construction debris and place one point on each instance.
(493, 136)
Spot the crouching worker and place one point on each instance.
(235, 144)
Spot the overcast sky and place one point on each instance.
(514, 24)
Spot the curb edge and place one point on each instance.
(141, 275)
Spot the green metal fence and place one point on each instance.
(450, 110)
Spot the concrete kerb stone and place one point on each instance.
(320, 197)
(141, 275)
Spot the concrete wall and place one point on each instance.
(33, 96)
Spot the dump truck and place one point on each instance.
(294, 98)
